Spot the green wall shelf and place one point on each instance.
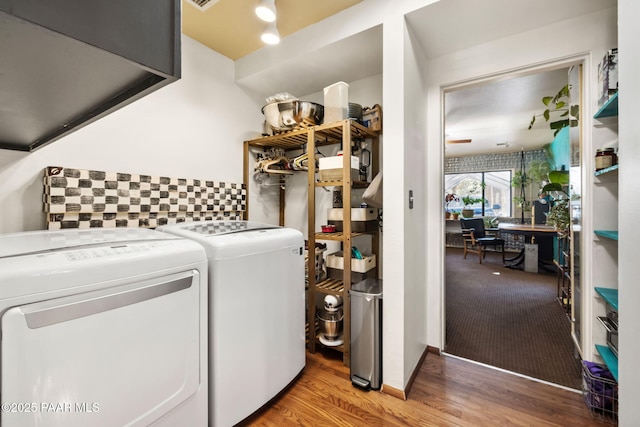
(610, 359)
(609, 234)
(609, 295)
(606, 170)
(609, 109)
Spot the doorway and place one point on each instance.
(507, 318)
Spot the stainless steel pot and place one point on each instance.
(287, 115)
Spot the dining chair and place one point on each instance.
(476, 239)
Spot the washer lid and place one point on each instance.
(16, 244)
(222, 227)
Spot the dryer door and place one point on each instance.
(121, 356)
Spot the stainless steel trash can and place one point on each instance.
(366, 334)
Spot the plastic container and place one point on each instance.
(336, 102)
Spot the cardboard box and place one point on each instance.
(356, 226)
(335, 260)
(357, 214)
(362, 219)
(330, 168)
(335, 162)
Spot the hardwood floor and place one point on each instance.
(447, 392)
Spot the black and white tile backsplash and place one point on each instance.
(80, 198)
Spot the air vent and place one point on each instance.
(202, 4)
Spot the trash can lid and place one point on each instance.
(368, 286)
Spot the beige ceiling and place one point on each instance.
(231, 27)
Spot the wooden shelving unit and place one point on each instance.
(344, 133)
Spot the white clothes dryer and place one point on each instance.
(256, 311)
(102, 327)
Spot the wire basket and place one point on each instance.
(600, 391)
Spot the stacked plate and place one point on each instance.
(355, 112)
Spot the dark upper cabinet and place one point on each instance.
(66, 63)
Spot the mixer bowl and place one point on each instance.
(330, 323)
(287, 115)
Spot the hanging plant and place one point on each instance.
(522, 202)
(519, 179)
(558, 110)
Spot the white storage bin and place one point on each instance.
(335, 260)
(362, 219)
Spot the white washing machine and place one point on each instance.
(256, 312)
(102, 328)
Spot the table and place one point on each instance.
(530, 232)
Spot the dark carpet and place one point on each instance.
(511, 320)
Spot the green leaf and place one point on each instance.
(559, 124)
(575, 110)
(565, 114)
(559, 177)
(546, 115)
(554, 186)
(560, 104)
(546, 100)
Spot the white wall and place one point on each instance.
(629, 204)
(192, 128)
(417, 258)
(394, 193)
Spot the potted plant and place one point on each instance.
(449, 198)
(559, 215)
(468, 201)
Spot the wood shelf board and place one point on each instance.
(610, 295)
(329, 183)
(609, 358)
(325, 134)
(608, 234)
(339, 348)
(340, 183)
(609, 109)
(330, 286)
(338, 235)
(604, 171)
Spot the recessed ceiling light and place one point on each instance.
(266, 10)
(271, 34)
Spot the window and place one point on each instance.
(492, 187)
